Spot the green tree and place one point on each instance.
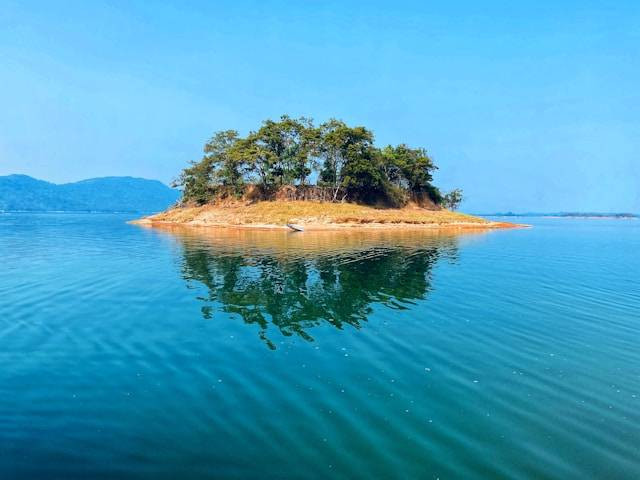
(340, 145)
(258, 158)
(410, 169)
(228, 170)
(452, 199)
(363, 177)
(201, 181)
(302, 151)
(285, 148)
(195, 182)
(287, 151)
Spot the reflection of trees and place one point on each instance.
(297, 291)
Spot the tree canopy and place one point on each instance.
(343, 161)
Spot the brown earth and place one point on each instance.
(313, 215)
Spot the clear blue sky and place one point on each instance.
(525, 105)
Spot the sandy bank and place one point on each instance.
(317, 216)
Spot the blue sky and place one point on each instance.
(527, 106)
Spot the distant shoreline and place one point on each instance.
(594, 215)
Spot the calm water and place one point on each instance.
(136, 353)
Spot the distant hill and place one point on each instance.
(106, 194)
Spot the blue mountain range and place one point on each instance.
(106, 194)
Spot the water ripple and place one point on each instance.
(145, 353)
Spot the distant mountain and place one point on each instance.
(106, 194)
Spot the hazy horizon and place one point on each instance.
(526, 108)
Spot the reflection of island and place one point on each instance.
(297, 281)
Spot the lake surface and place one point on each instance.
(129, 352)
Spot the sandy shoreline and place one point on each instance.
(337, 226)
(275, 215)
(309, 226)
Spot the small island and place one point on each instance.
(290, 171)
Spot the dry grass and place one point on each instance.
(312, 214)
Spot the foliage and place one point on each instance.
(348, 160)
(291, 143)
(289, 151)
(410, 169)
(452, 199)
(218, 168)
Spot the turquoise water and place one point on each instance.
(130, 352)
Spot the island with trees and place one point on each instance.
(327, 176)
